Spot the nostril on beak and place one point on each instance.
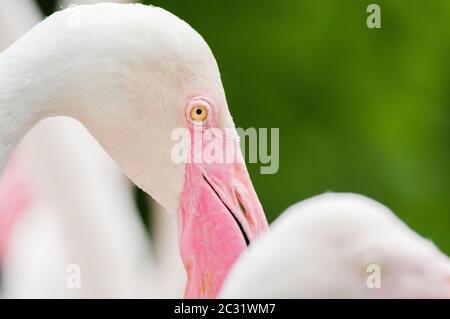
(244, 209)
(241, 205)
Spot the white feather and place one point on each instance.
(84, 215)
(321, 247)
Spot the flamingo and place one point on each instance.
(131, 74)
(330, 245)
(104, 213)
(92, 197)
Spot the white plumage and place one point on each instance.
(82, 213)
(326, 247)
(123, 70)
(132, 98)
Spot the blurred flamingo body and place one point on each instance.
(15, 196)
(330, 246)
(81, 212)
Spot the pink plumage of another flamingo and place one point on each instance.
(15, 195)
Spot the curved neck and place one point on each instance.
(18, 110)
(50, 71)
(29, 92)
(123, 72)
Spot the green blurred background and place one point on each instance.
(359, 110)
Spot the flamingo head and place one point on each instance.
(220, 213)
(157, 86)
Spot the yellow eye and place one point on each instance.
(199, 113)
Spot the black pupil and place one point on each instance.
(199, 111)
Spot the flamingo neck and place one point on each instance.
(17, 112)
(83, 63)
(51, 71)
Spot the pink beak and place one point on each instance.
(220, 215)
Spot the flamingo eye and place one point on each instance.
(199, 113)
